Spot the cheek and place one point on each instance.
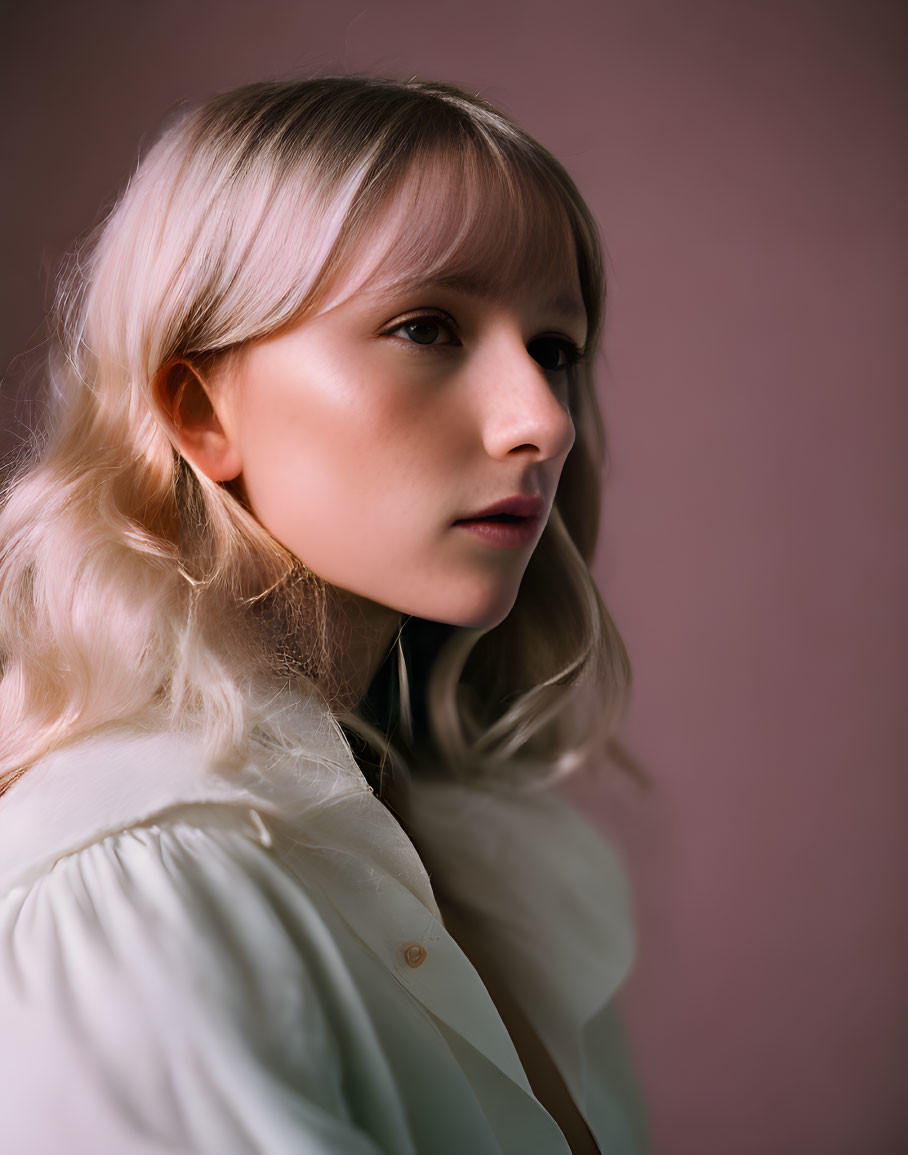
(346, 477)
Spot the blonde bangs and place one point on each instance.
(464, 214)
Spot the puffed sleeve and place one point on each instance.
(171, 988)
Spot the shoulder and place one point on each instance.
(122, 775)
(106, 782)
(131, 850)
(193, 894)
(172, 982)
(170, 973)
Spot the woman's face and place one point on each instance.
(368, 430)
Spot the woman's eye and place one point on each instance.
(426, 330)
(554, 354)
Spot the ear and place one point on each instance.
(184, 402)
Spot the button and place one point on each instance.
(414, 955)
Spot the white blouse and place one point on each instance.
(220, 962)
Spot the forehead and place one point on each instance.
(475, 228)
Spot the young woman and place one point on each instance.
(297, 625)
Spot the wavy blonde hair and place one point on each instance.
(134, 589)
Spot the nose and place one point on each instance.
(525, 407)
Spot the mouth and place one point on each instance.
(505, 517)
(502, 529)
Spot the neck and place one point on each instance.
(365, 632)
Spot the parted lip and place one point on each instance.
(515, 506)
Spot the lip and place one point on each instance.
(510, 534)
(506, 533)
(518, 506)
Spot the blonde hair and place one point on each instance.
(133, 588)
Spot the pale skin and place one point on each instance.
(358, 446)
(361, 435)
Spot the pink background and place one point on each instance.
(747, 162)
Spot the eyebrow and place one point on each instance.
(566, 305)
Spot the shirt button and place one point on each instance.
(414, 955)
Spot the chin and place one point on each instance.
(481, 616)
